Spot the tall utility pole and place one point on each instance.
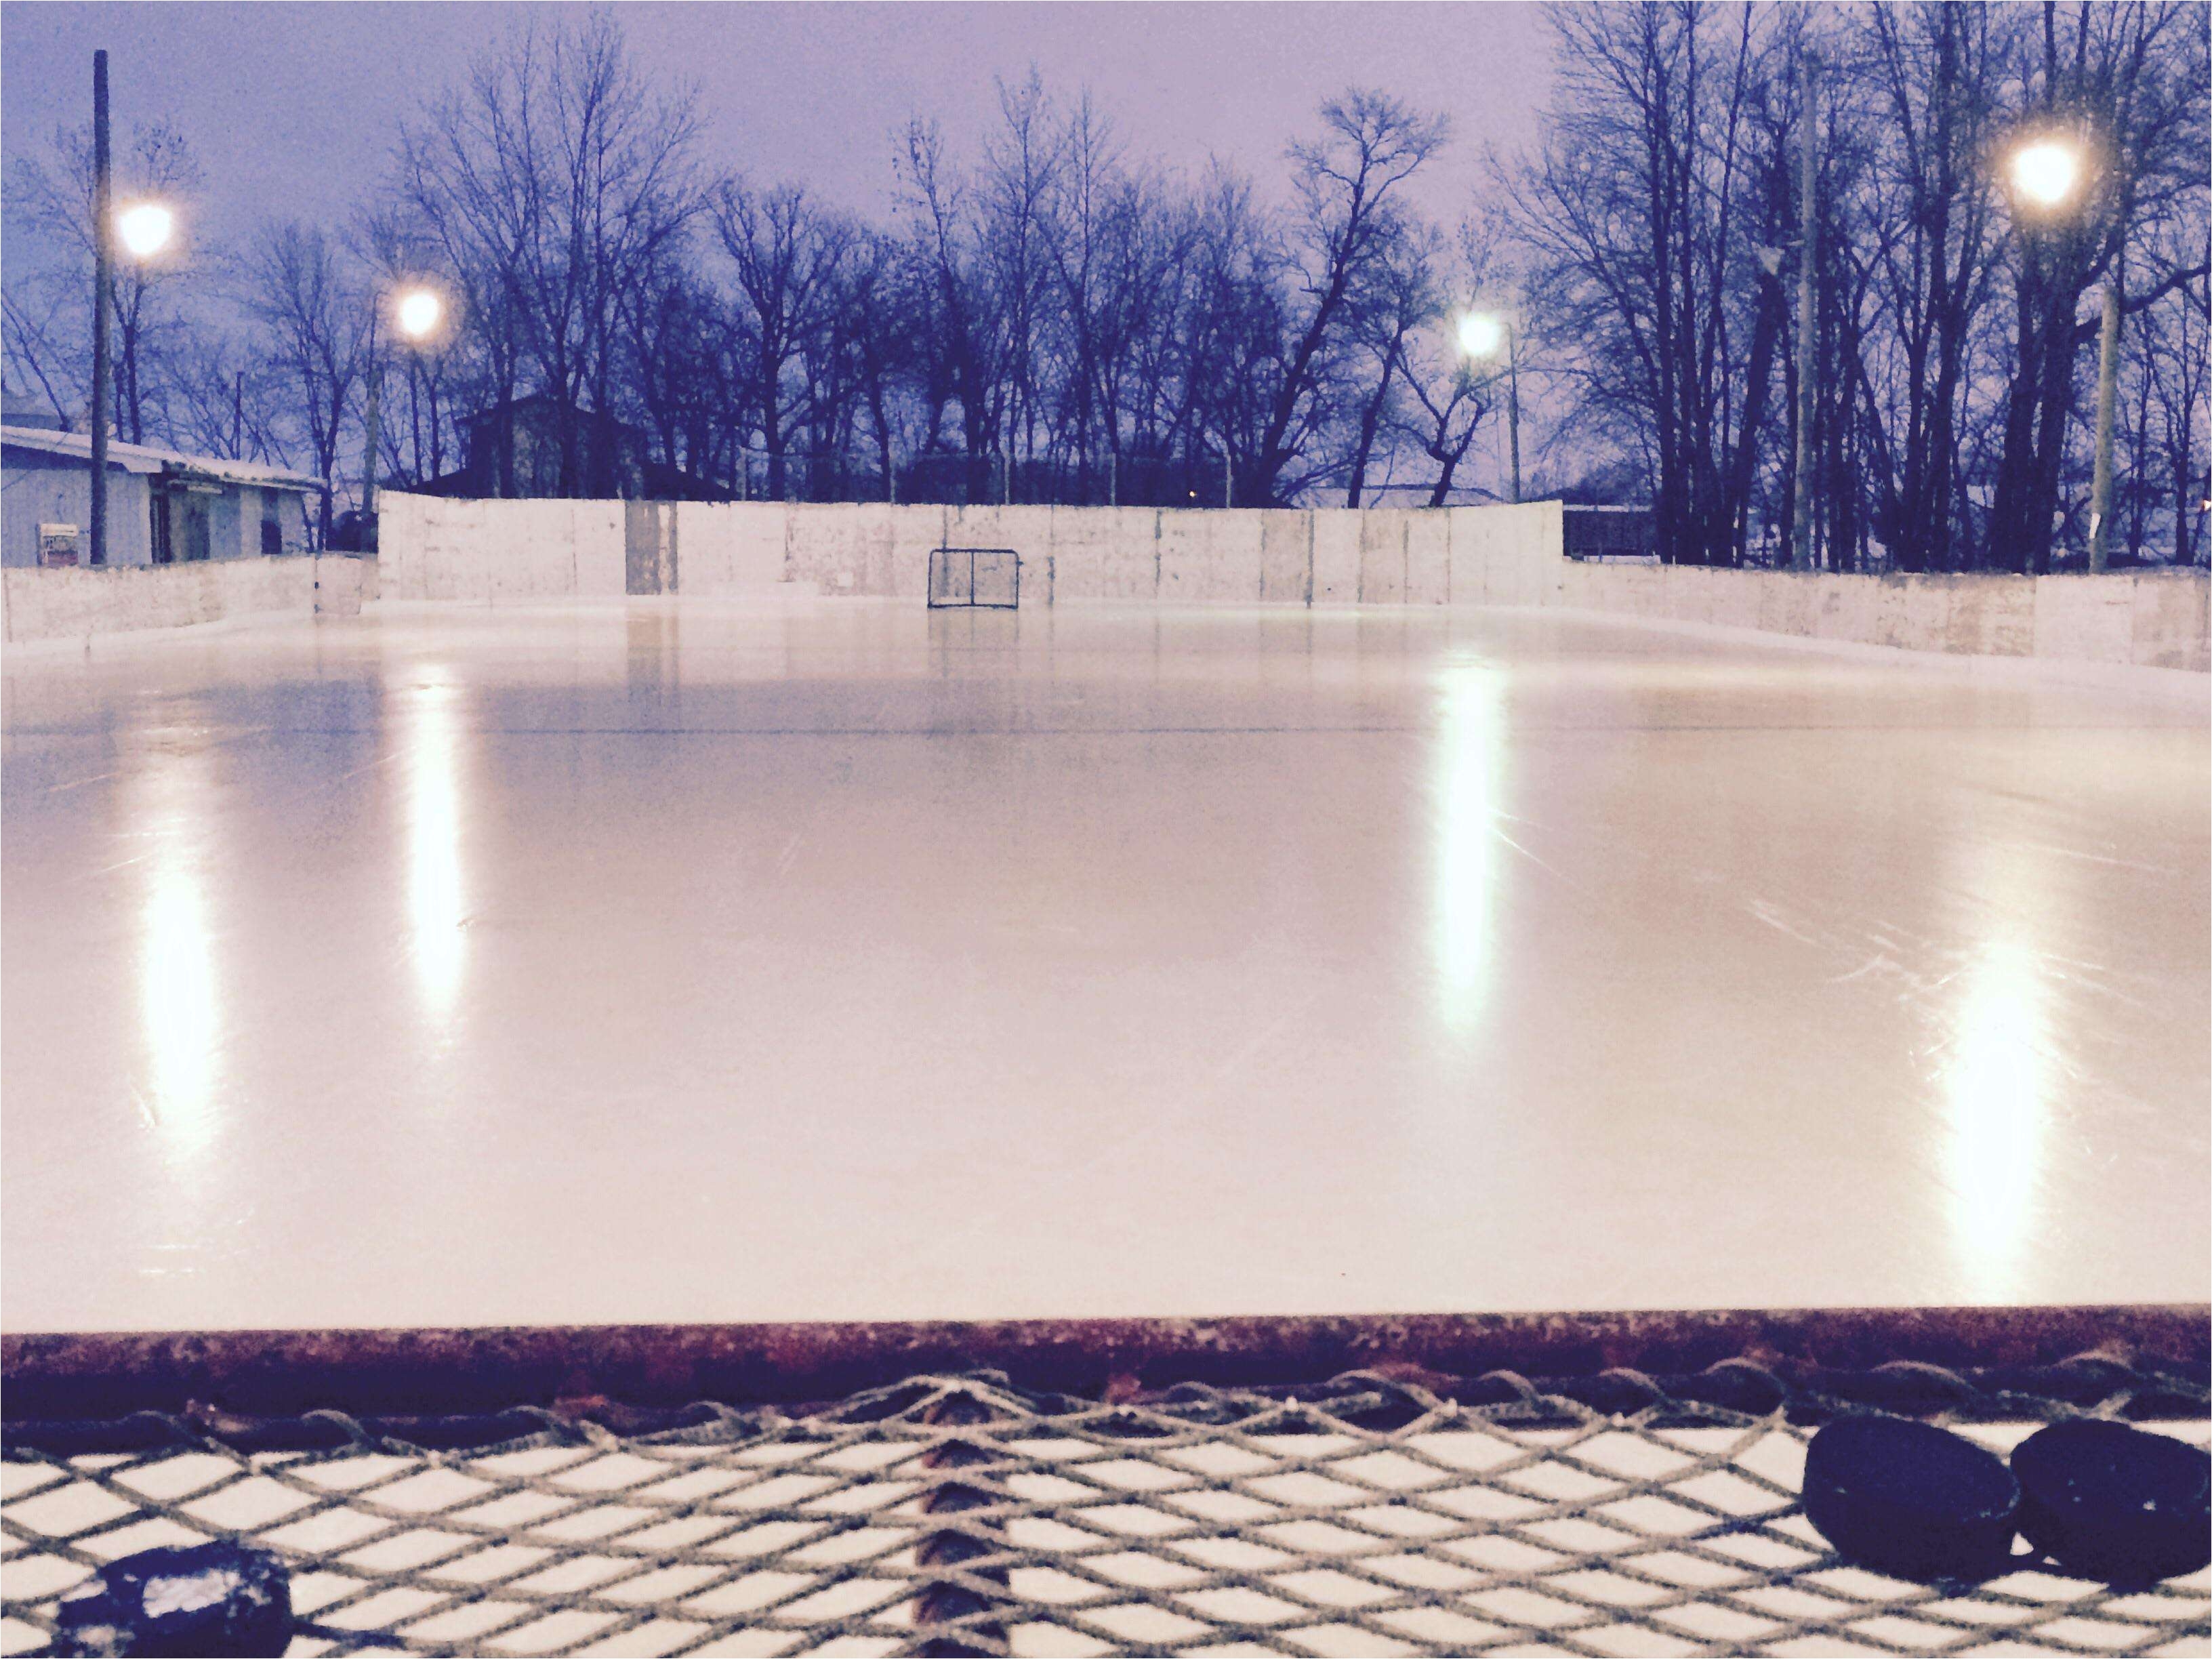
(2108, 374)
(1513, 402)
(1800, 511)
(374, 423)
(103, 285)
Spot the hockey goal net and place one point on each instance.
(1096, 1495)
(974, 579)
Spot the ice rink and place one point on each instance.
(841, 960)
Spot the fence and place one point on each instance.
(994, 479)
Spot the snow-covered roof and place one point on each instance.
(147, 458)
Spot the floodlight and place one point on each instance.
(145, 228)
(419, 312)
(2047, 171)
(1480, 334)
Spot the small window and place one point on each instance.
(272, 537)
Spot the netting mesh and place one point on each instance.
(977, 578)
(960, 1515)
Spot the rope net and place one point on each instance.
(961, 1515)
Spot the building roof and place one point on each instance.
(147, 459)
(21, 409)
(547, 400)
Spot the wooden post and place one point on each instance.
(1513, 402)
(103, 287)
(2108, 372)
(374, 421)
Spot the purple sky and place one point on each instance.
(292, 108)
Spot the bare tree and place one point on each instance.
(52, 200)
(313, 322)
(1641, 215)
(551, 183)
(960, 363)
(1400, 297)
(1451, 395)
(1348, 183)
(1020, 175)
(1930, 74)
(786, 253)
(2130, 78)
(40, 323)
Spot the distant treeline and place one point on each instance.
(1048, 315)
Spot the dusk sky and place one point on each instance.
(292, 109)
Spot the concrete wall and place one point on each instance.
(2150, 619)
(495, 552)
(65, 605)
(492, 552)
(500, 552)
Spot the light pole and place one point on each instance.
(2047, 176)
(2108, 374)
(1482, 334)
(103, 282)
(145, 228)
(418, 312)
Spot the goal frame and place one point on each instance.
(959, 565)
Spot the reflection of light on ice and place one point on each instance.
(1469, 773)
(429, 735)
(179, 1006)
(1995, 1081)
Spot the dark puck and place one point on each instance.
(210, 1599)
(2110, 1502)
(1910, 1499)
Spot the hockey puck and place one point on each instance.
(217, 1598)
(1910, 1499)
(2107, 1501)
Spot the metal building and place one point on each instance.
(163, 507)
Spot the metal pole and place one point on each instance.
(1800, 512)
(375, 419)
(1513, 402)
(1228, 497)
(2108, 372)
(1112, 479)
(103, 285)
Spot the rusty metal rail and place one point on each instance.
(462, 1387)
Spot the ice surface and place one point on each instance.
(691, 962)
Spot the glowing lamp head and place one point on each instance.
(2047, 171)
(419, 313)
(1480, 335)
(145, 228)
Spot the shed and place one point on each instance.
(163, 507)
